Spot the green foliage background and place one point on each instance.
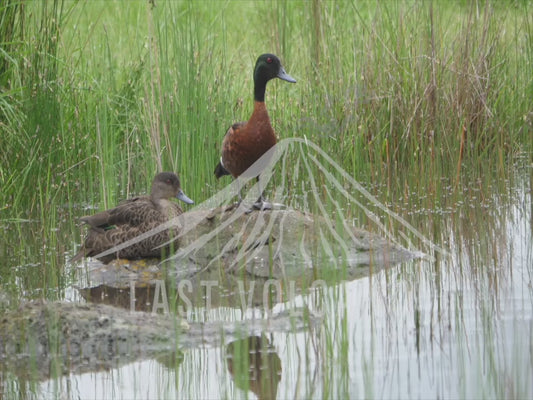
(97, 96)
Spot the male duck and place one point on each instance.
(245, 142)
(133, 217)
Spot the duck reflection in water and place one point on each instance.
(254, 365)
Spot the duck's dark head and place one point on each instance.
(267, 67)
(166, 185)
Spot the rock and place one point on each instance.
(44, 338)
(279, 244)
(241, 254)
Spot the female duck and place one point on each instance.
(132, 218)
(245, 142)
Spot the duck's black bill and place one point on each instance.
(285, 76)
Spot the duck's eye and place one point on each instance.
(269, 60)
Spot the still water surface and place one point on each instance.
(449, 326)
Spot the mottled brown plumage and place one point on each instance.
(132, 218)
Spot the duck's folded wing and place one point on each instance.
(233, 129)
(131, 212)
(220, 170)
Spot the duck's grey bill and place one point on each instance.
(184, 198)
(285, 76)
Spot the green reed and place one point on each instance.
(108, 94)
(96, 97)
(99, 96)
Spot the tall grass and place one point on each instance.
(408, 97)
(101, 95)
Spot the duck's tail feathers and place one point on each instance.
(80, 255)
(220, 170)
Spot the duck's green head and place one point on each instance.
(267, 67)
